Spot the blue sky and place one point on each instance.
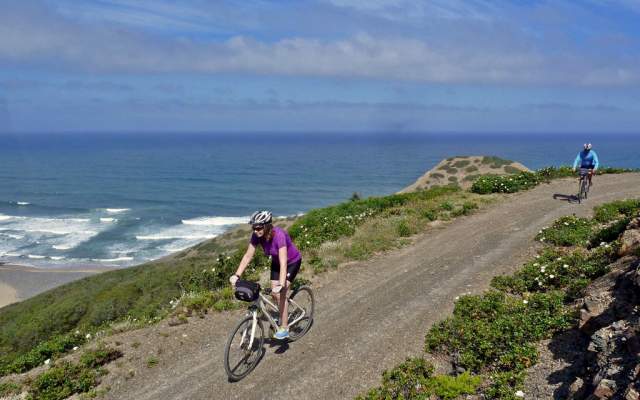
(320, 66)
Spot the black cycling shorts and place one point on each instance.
(292, 270)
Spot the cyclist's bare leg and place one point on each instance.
(281, 301)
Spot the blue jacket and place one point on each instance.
(587, 159)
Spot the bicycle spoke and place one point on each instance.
(243, 350)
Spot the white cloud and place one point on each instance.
(465, 56)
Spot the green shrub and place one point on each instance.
(448, 387)
(568, 231)
(610, 232)
(495, 162)
(429, 214)
(437, 175)
(43, 351)
(468, 207)
(99, 356)
(404, 229)
(505, 184)
(502, 385)
(406, 381)
(471, 168)
(617, 209)
(61, 381)
(495, 330)
(447, 206)
(152, 362)
(511, 170)
(554, 270)
(461, 163)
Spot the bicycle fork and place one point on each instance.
(254, 324)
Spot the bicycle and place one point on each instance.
(583, 184)
(247, 338)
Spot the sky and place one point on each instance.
(520, 66)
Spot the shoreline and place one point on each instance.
(20, 282)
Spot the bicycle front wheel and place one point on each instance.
(243, 349)
(583, 188)
(301, 306)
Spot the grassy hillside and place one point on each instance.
(44, 326)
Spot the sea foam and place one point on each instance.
(117, 210)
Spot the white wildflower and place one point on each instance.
(88, 336)
(520, 393)
(75, 348)
(535, 264)
(47, 361)
(566, 223)
(525, 301)
(602, 243)
(77, 332)
(559, 259)
(606, 246)
(565, 266)
(537, 255)
(551, 276)
(213, 270)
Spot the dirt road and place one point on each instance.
(370, 315)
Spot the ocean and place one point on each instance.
(123, 199)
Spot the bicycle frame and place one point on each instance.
(261, 304)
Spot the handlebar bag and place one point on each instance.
(247, 291)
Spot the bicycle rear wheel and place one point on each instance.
(301, 306)
(240, 354)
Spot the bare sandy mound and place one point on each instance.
(463, 170)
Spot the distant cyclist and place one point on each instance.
(276, 243)
(587, 159)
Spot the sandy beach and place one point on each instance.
(7, 294)
(19, 282)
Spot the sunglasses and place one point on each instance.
(258, 227)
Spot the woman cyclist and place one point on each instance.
(588, 159)
(276, 243)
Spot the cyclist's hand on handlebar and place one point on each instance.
(233, 279)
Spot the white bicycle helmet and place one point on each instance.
(260, 217)
(587, 146)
